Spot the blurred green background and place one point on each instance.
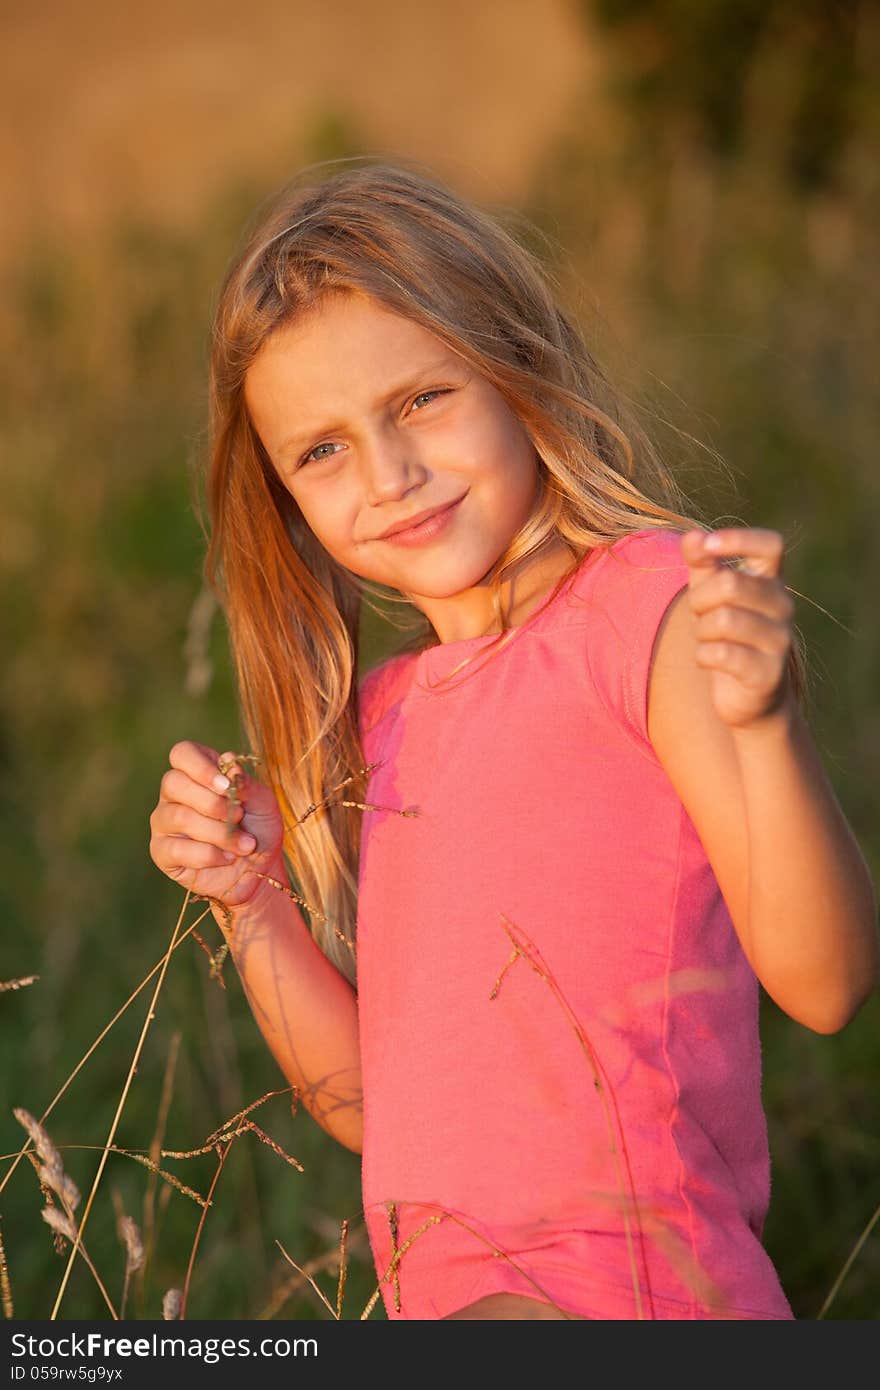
(702, 182)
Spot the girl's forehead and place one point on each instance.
(342, 339)
(349, 317)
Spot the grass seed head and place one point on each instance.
(171, 1305)
(40, 1139)
(130, 1236)
(60, 1222)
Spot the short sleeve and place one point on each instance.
(637, 581)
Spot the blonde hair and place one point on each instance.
(395, 233)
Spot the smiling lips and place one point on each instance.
(423, 525)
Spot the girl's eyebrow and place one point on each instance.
(442, 365)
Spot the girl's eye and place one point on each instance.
(314, 451)
(441, 391)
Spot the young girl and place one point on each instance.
(541, 857)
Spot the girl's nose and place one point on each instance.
(391, 466)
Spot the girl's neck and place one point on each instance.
(522, 591)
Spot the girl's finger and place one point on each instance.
(744, 661)
(761, 549)
(199, 762)
(173, 853)
(173, 818)
(179, 786)
(743, 625)
(735, 587)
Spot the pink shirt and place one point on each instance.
(592, 1134)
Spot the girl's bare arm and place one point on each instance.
(798, 887)
(305, 1009)
(225, 851)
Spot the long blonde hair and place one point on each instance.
(394, 232)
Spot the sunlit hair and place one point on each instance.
(395, 233)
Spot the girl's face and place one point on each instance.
(370, 420)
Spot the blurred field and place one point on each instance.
(719, 243)
(153, 107)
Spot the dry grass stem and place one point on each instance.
(343, 1237)
(161, 1173)
(358, 805)
(247, 1110)
(215, 958)
(236, 1126)
(328, 1260)
(507, 964)
(121, 1104)
(443, 1214)
(215, 969)
(147, 1162)
(5, 1283)
(63, 1225)
(247, 1128)
(222, 1155)
(97, 1042)
(394, 1231)
(619, 1152)
(396, 1258)
(833, 1291)
(684, 981)
(305, 1275)
(149, 1207)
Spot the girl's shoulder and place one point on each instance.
(650, 549)
(625, 572)
(634, 583)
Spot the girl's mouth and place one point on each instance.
(426, 530)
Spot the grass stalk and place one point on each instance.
(222, 1156)
(835, 1287)
(97, 1042)
(121, 1104)
(305, 1274)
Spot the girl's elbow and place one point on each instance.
(828, 1024)
(836, 1014)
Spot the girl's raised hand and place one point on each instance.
(208, 842)
(743, 621)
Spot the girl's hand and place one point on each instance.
(743, 621)
(198, 830)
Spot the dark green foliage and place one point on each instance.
(690, 62)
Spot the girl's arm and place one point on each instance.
(728, 732)
(812, 910)
(304, 1007)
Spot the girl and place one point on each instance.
(543, 856)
